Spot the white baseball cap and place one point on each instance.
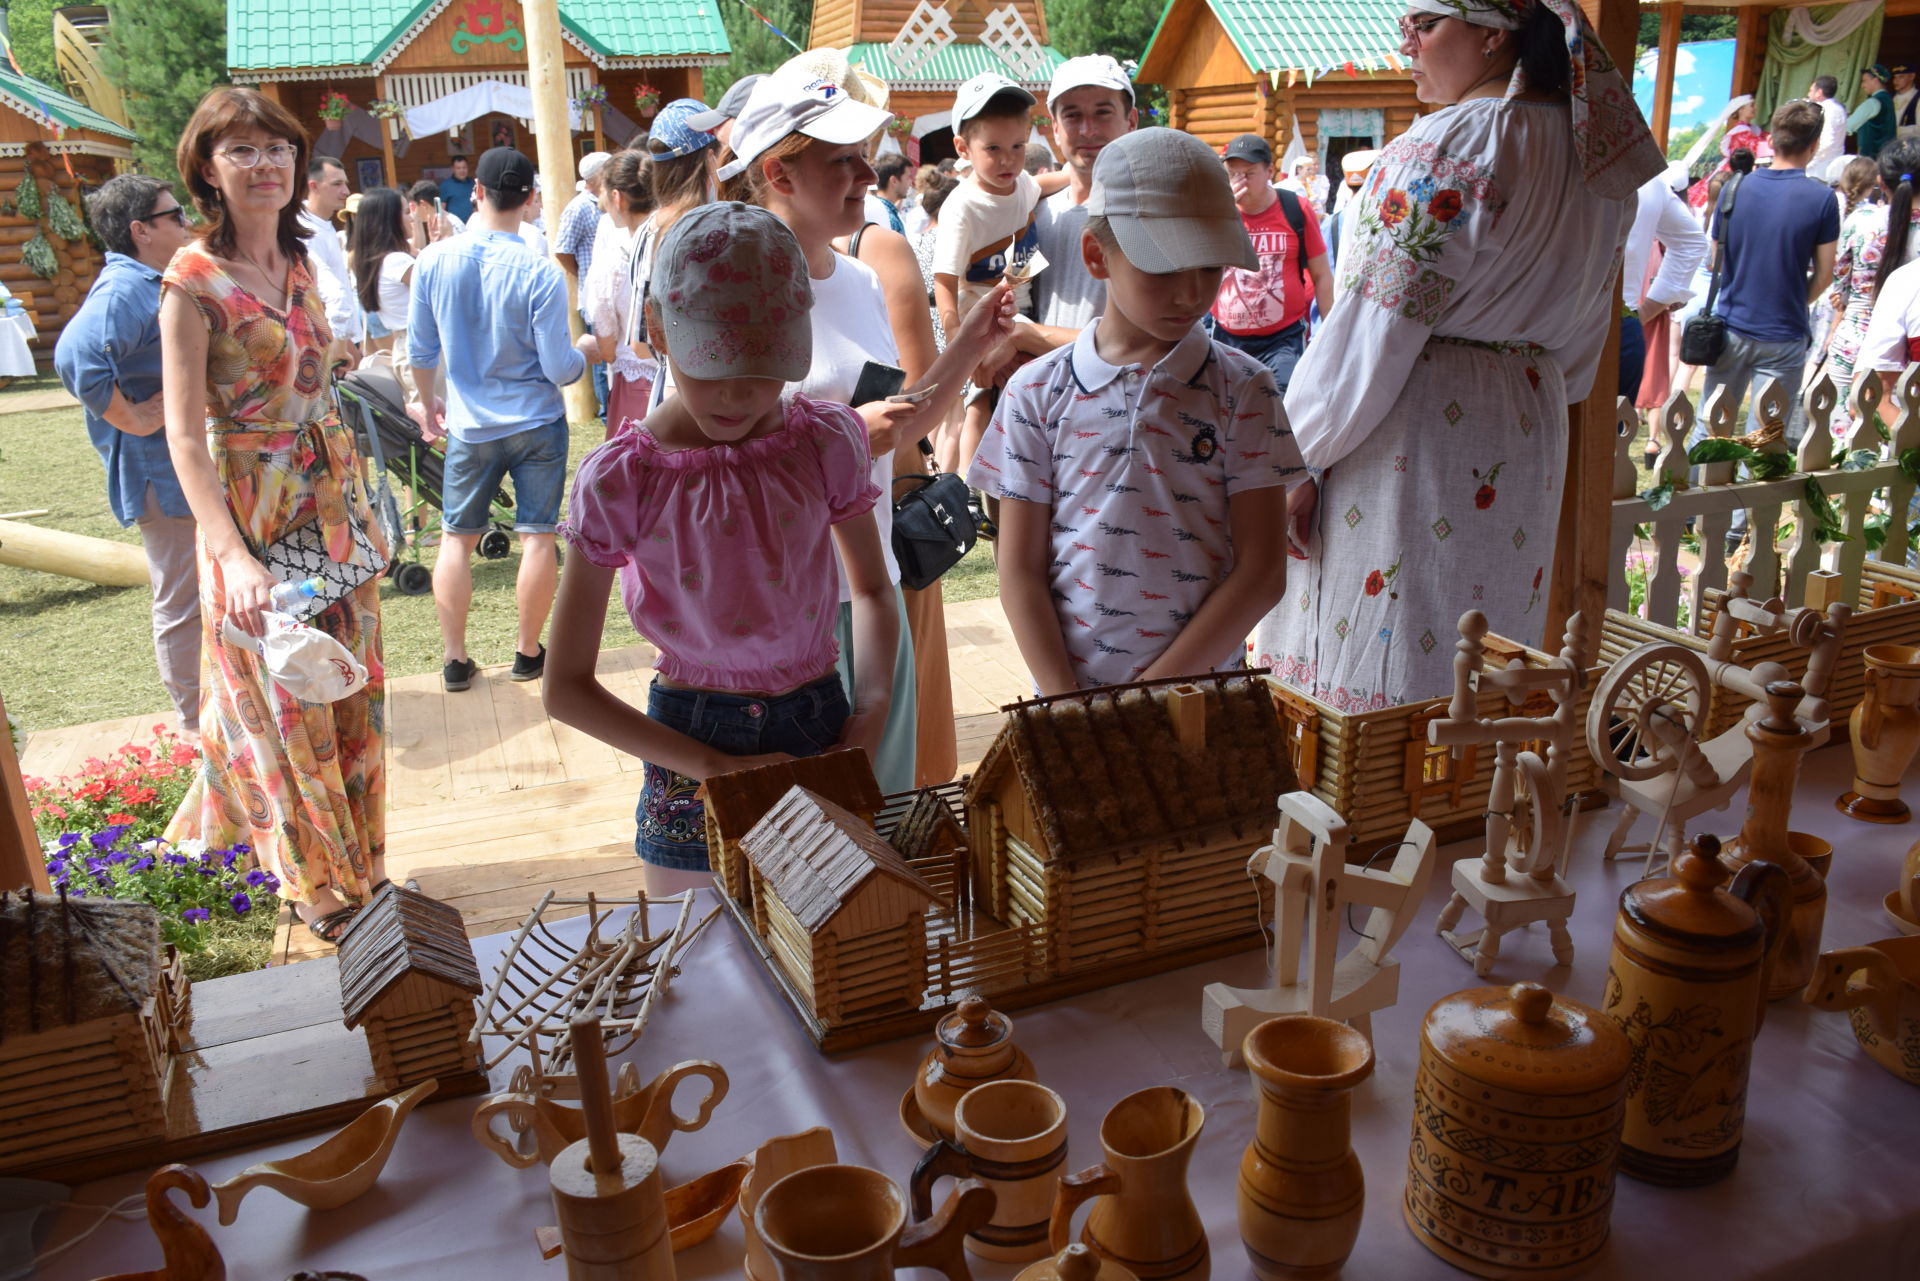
(1089, 71)
(781, 105)
(977, 92)
(1166, 197)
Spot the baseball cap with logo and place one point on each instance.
(731, 285)
(1089, 71)
(504, 169)
(781, 105)
(1166, 197)
(731, 104)
(1250, 147)
(672, 135)
(979, 91)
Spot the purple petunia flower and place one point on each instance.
(228, 859)
(176, 860)
(103, 839)
(195, 915)
(258, 877)
(141, 865)
(241, 847)
(241, 903)
(68, 839)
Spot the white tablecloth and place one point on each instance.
(1828, 1184)
(16, 332)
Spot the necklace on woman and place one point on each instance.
(266, 277)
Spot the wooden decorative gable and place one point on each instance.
(840, 23)
(832, 870)
(1126, 767)
(735, 802)
(399, 934)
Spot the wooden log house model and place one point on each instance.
(408, 976)
(1104, 834)
(90, 1012)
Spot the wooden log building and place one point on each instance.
(413, 52)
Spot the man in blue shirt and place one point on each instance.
(496, 315)
(457, 192)
(108, 356)
(1776, 263)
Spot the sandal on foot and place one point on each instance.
(330, 927)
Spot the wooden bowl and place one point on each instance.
(1900, 920)
(914, 1123)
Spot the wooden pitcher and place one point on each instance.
(849, 1223)
(1142, 1217)
(1885, 726)
(1878, 986)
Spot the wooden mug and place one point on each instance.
(1012, 1136)
(1142, 1218)
(849, 1223)
(646, 1111)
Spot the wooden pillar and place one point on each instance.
(599, 127)
(1177, 109)
(273, 91)
(547, 78)
(21, 864)
(1580, 568)
(1663, 87)
(1750, 48)
(386, 139)
(1277, 126)
(696, 83)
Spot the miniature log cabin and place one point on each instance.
(735, 802)
(87, 1012)
(408, 975)
(1121, 819)
(842, 913)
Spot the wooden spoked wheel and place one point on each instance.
(1535, 824)
(1651, 695)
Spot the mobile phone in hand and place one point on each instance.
(913, 397)
(877, 382)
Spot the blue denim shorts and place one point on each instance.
(376, 328)
(671, 819)
(536, 459)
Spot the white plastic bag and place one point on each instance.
(308, 664)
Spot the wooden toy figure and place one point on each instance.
(1518, 879)
(607, 1188)
(1308, 864)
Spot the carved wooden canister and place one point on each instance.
(1687, 983)
(1517, 1110)
(975, 1045)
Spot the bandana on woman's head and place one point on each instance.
(1617, 150)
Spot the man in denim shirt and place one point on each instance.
(108, 356)
(497, 314)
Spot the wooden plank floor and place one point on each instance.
(490, 803)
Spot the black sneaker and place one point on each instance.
(457, 674)
(529, 669)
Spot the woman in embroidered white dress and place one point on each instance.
(1475, 296)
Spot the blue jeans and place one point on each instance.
(536, 459)
(1279, 352)
(1745, 366)
(671, 820)
(1633, 356)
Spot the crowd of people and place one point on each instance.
(1218, 409)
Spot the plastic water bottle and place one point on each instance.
(288, 597)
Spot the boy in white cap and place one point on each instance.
(987, 223)
(1142, 469)
(1091, 102)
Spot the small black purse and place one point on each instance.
(932, 528)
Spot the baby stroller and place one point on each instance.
(371, 398)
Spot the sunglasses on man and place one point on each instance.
(177, 213)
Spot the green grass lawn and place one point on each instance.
(76, 652)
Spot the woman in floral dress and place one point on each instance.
(1474, 299)
(261, 452)
(1865, 245)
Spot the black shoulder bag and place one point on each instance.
(1704, 339)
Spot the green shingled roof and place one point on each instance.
(266, 34)
(42, 99)
(1304, 35)
(954, 65)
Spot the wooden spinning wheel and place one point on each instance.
(1532, 833)
(1650, 699)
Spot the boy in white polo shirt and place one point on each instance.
(1142, 469)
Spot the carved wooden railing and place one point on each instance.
(1858, 476)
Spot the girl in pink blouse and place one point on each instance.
(722, 512)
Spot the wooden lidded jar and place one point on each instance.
(974, 1046)
(1687, 983)
(1517, 1110)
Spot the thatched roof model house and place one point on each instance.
(89, 1012)
(1123, 817)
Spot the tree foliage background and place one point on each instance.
(30, 27)
(164, 55)
(756, 49)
